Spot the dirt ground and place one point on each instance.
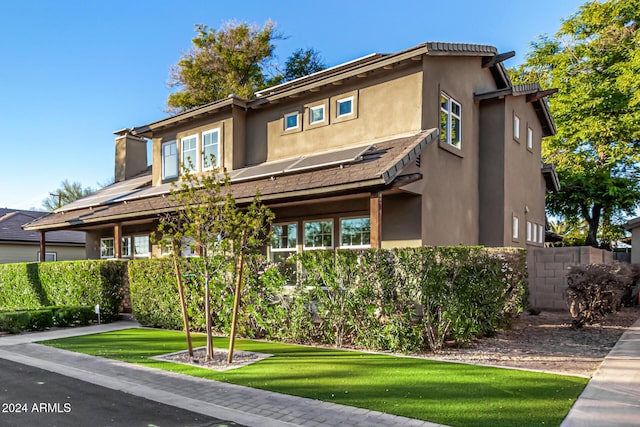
(547, 342)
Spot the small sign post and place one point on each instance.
(98, 312)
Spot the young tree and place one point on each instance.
(232, 60)
(594, 61)
(67, 193)
(225, 235)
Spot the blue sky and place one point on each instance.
(72, 72)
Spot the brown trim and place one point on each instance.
(375, 216)
(117, 241)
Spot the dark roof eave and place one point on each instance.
(632, 223)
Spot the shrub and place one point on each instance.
(74, 316)
(595, 290)
(39, 320)
(14, 322)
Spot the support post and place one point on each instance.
(375, 217)
(43, 246)
(117, 241)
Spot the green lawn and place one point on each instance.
(446, 393)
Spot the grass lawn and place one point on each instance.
(446, 393)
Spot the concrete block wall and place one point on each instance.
(547, 268)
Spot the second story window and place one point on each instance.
(529, 138)
(345, 106)
(169, 159)
(291, 121)
(189, 153)
(516, 127)
(316, 114)
(211, 148)
(450, 121)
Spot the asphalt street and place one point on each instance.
(34, 397)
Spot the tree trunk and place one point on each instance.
(236, 298)
(594, 223)
(207, 309)
(183, 304)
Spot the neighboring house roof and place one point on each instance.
(632, 223)
(12, 220)
(379, 166)
(551, 178)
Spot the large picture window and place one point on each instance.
(355, 232)
(318, 234)
(450, 121)
(141, 246)
(107, 247)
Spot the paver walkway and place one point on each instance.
(243, 405)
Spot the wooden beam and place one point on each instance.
(117, 241)
(43, 247)
(375, 217)
(540, 94)
(490, 61)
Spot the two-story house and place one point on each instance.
(432, 145)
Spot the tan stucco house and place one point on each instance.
(18, 245)
(432, 145)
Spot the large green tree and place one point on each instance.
(594, 61)
(236, 59)
(67, 193)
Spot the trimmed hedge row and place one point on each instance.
(66, 283)
(399, 300)
(41, 319)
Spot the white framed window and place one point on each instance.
(169, 159)
(107, 247)
(529, 138)
(318, 234)
(450, 121)
(540, 233)
(515, 226)
(126, 247)
(211, 147)
(141, 248)
(316, 114)
(531, 230)
(284, 240)
(48, 256)
(344, 107)
(516, 127)
(189, 145)
(355, 232)
(291, 121)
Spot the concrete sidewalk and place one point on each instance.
(612, 397)
(248, 406)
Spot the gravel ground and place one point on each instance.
(547, 342)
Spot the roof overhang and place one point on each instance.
(551, 177)
(632, 223)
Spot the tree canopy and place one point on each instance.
(594, 61)
(67, 193)
(235, 59)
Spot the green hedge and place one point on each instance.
(399, 300)
(41, 319)
(68, 283)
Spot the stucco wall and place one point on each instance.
(548, 272)
(29, 252)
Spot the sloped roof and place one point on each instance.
(12, 220)
(379, 167)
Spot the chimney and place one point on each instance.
(131, 155)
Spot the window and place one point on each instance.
(344, 106)
(529, 138)
(515, 225)
(169, 159)
(516, 127)
(355, 232)
(450, 121)
(106, 248)
(48, 256)
(531, 230)
(291, 121)
(126, 247)
(284, 240)
(318, 234)
(141, 246)
(540, 234)
(189, 153)
(316, 114)
(210, 148)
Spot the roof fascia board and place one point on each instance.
(410, 154)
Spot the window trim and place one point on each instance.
(113, 247)
(133, 246)
(304, 234)
(515, 228)
(529, 138)
(516, 127)
(177, 161)
(365, 246)
(295, 114)
(340, 101)
(204, 160)
(279, 224)
(447, 138)
(46, 254)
